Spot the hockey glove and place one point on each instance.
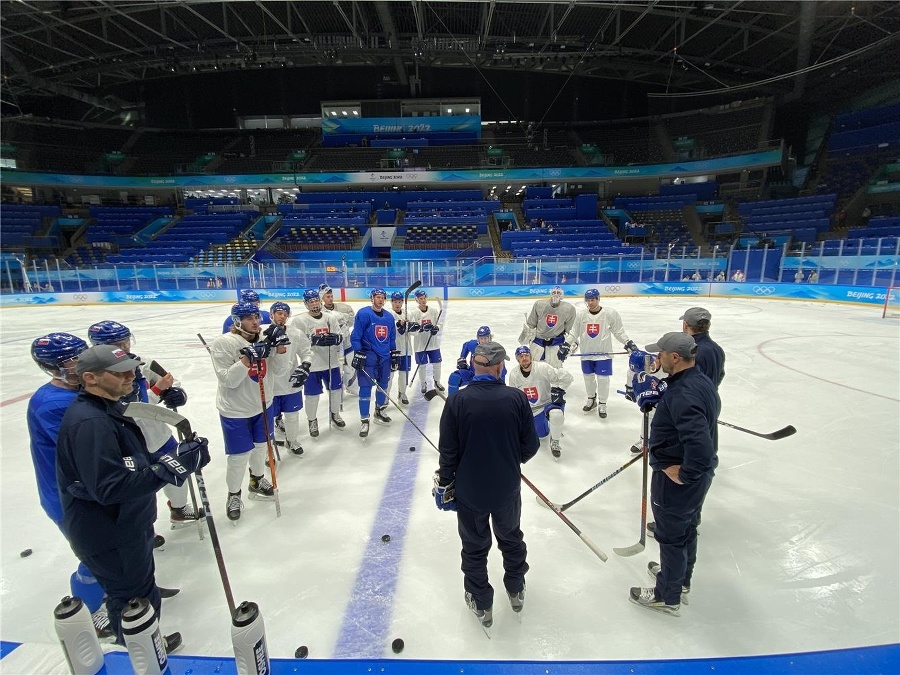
(401, 327)
(359, 361)
(301, 372)
(256, 351)
(395, 359)
(462, 364)
(273, 332)
(629, 393)
(174, 467)
(326, 339)
(173, 397)
(434, 329)
(563, 351)
(444, 495)
(413, 327)
(557, 396)
(648, 390)
(631, 347)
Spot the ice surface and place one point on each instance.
(800, 537)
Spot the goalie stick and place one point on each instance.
(540, 495)
(563, 507)
(634, 549)
(183, 426)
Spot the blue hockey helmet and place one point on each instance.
(483, 331)
(280, 306)
(242, 310)
(378, 291)
(248, 295)
(312, 300)
(53, 350)
(524, 349)
(421, 293)
(592, 294)
(396, 295)
(108, 333)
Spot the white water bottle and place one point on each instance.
(146, 647)
(248, 637)
(77, 636)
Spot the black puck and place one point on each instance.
(385, 538)
(27, 552)
(302, 652)
(397, 646)
(412, 448)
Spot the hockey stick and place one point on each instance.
(162, 372)
(789, 430)
(183, 425)
(409, 290)
(598, 354)
(265, 416)
(428, 341)
(540, 495)
(563, 507)
(397, 406)
(634, 549)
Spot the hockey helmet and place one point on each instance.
(592, 294)
(280, 306)
(378, 291)
(483, 334)
(51, 351)
(524, 349)
(421, 293)
(242, 310)
(248, 295)
(325, 288)
(108, 333)
(396, 295)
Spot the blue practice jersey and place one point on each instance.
(45, 412)
(374, 333)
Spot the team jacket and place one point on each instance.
(710, 358)
(106, 487)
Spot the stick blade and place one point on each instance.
(430, 394)
(789, 430)
(548, 505)
(629, 551)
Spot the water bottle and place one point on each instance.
(248, 637)
(146, 647)
(77, 636)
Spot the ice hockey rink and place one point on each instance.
(799, 544)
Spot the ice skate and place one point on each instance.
(517, 600)
(485, 616)
(233, 506)
(646, 597)
(295, 450)
(168, 592)
(338, 421)
(424, 387)
(380, 415)
(403, 399)
(173, 642)
(314, 428)
(601, 410)
(261, 488)
(184, 516)
(364, 428)
(555, 450)
(100, 620)
(654, 568)
(439, 386)
(590, 404)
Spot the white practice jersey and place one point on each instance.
(328, 322)
(593, 333)
(429, 316)
(537, 383)
(404, 342)
(547, 321)
(298, 351)
(238, 392)
(345, 316)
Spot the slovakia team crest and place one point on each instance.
(592, 329)
(531, 393)
(381, 333)
(552, 320)
(255, 373)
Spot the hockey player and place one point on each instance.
(56, 354)
(427, 341)
(374, 341)
(545, 388)
(323, 331)
(150, 387)
(593, 329)
(251, 296)
(288, 399)
(403, 346)
(548, 327)
(345, 314)
(464, 372)
(241, 362)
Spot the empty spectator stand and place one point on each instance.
(22, 224)
(440, 237)
(119, 225)
(563, 238)
(618, 143)
(168, 152)
(42, 145)
(346, 159)
(292, 236)
(721, 130)
(268, 150)
(804, 218)
(662, 216)
(236, 251)
(88, 255)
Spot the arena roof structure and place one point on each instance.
(88, 49)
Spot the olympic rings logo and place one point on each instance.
(206, 295)
(612, 289)
(633, 265)
(764, 290)
(80, 296)
(476, 291)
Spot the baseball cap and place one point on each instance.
(680, 343)
(106, 357)
(695, 315)
(492, 351)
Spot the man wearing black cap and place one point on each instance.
(108, 482)
(683, 454)
(487, 432)
(710, 356)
